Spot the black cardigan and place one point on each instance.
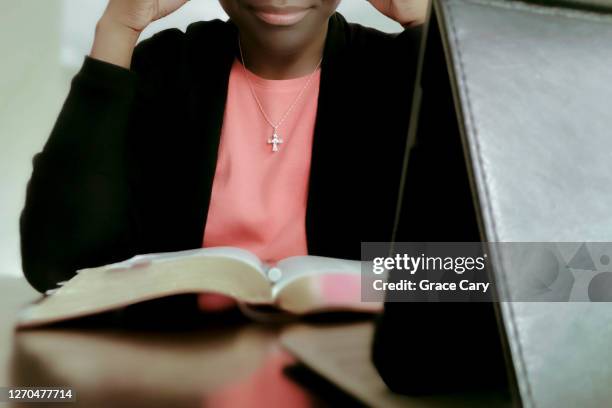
(129, 165)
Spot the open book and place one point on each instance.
(297, 285)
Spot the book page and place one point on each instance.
(224, 252)
(311, 284)
(153, 276)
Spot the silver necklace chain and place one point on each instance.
(275, 140)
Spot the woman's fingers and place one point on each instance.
(167, 7)
(138, 14)
(405, 12)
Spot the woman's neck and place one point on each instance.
(275, 64)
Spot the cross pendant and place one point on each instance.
(275, 141)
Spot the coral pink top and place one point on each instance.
(259, 197)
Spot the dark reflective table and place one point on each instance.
(223, 362)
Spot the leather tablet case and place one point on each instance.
(530, 87)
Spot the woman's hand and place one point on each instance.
(119, 28)
(406, 12)
(138, 14)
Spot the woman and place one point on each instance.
(281, 131)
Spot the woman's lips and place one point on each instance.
(281, 17)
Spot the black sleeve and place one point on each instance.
(77, 205)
